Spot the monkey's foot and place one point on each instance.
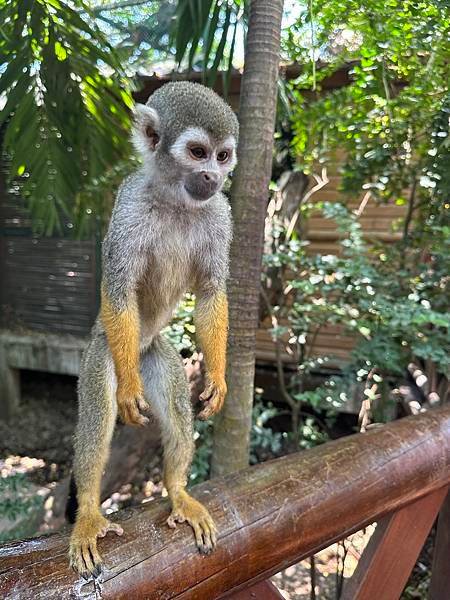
(186, 508)
(83, 554)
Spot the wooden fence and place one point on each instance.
(269, 517)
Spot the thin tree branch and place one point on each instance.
(321, 182)
(410, 212)
(365, 414)
(112, 23)
(280, 371)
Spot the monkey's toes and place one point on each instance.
(174, 519)
(115, 527)
(205, 534)
(84, 557)
(199, 519)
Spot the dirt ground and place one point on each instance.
(44, 425)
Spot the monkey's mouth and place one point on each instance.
(199, 188)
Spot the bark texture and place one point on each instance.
(249, 195)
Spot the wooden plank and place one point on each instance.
(391, 554)
(264, 590)
(268, 517)
(440, 572)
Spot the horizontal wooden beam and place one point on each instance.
(269, 517)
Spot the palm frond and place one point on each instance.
(204, 34)
(65, 115)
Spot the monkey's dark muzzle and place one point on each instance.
(202, 184)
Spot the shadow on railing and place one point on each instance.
(269, 517)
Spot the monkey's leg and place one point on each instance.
(96, 419)
(165, 383)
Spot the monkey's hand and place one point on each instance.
(83, 554)
(213, 396)
(130, 402)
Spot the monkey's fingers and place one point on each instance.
(212, 405)
(207, 392)
(130, 411)
(142, 404)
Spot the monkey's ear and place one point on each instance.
(145, 135)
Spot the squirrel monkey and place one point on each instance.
(170, 232)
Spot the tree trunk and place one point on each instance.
(249, 195)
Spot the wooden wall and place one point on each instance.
(48, 284)
(378, 222)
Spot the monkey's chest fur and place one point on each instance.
(172, 263)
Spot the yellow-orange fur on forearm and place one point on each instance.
(211, 325)
(122, 332)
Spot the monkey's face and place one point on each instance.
(204, 161)
(188, 136)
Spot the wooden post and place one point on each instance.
(9, 387)
(269, 517)
(391, 554)
(440, 572)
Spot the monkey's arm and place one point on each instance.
(211, 326)
(122, 331)
(119, 313)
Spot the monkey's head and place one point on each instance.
(187, 136)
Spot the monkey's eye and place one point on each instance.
(198, 152)
(222, 156)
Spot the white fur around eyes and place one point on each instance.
(228, 145)
(192, 135)
(197, 135)
(144, 116)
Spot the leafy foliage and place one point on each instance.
(65, 118)
(394, 315)
(138, 29)
(391, 125)
(383, 120)
(18, 503)
(205, 32)
(181, 330)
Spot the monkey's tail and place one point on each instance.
(72, 503)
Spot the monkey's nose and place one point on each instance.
(210, 177)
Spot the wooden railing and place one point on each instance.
(269, 517)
